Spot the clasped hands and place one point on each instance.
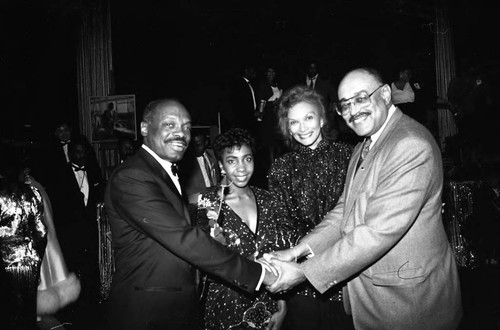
(283, 271)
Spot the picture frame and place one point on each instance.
(112, 117)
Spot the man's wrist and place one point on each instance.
(301, 250)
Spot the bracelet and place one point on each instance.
(294, 254)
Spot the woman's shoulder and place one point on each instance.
(342, 146)
(282, 163)
(285, 158)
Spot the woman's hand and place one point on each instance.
(277, 318)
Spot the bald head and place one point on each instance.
(362, 77)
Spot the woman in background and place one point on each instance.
(268, 139)
(308, 181)
(245, 219)
(26, 236)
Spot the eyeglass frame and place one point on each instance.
(350, 101)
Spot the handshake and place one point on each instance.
(282, 270)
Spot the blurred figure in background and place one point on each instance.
(126, 147)
(34, 279)
(199, 170)
(268, 138)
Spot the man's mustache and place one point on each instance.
(359, 114)
(177, 138)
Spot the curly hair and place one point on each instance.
(233, 138)
(288, 100)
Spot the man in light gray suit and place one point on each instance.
(385, 237)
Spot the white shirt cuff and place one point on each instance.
(262, 275)
(311, 252)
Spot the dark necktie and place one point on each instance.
(175, 169)
(364, 151)
(311, 83)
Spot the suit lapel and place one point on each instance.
(357, 180)
(157, 169)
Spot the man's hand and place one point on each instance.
(285, 255)
(277, 318)
(292, 254)
(271, 274)
(290, 274)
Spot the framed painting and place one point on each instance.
(113, 117)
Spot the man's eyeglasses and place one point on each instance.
(362, 99)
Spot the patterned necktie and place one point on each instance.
(208, 169)
(364, 151)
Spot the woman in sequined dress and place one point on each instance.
(33, 276)
(244, 218)
(22, 245)
(309, 180)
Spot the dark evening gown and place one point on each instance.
(22, 245)
(225, 306)
(309, 183)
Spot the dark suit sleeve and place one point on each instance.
(148, 205)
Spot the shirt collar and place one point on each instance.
(312, 78)
(375, 136)
(167, 166)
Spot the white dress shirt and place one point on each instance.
(83, 182)
(167, 166)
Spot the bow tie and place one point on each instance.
(175, 169)
(77, 168)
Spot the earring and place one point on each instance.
(222, 172)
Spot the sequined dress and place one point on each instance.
(226, 307)
(309, 182)
(22, 246)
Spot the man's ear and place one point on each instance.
(144, 128)
(386, 94)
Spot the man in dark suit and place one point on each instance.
(385, 237)
(156, 247)
(199, 171)
(239, 110)
(75, 191)
(324, 87)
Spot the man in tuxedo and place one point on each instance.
(57, 156)
(199, 170)
(75, 191)
(156, 248)
(239, 110)
(324, 87)
(385, 238)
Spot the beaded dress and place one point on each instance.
(309, 182)
(226, 307)
(22, 246)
